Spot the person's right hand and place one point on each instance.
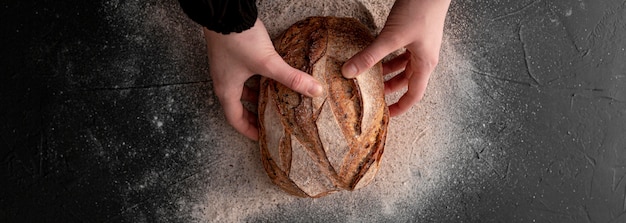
(235, 57)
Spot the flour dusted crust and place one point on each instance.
(311, 147)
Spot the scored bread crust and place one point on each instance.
(311, 147)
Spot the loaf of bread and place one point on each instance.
(311, 147)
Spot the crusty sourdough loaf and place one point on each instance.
(311, 147)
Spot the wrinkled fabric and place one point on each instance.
(222, 16)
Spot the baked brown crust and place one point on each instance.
(311, 147)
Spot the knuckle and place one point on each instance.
(427, 64)
(433, 61)
(368, 60)
(220, 92)
(295, 80)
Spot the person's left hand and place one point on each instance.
(418, 26)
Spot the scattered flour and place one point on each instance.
(421, 153)
(227, 183)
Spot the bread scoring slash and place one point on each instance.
(311, 147)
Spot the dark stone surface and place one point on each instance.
(106, 106)
(561, 64)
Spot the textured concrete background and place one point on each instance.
(108, 115)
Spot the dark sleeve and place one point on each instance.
(222, 16)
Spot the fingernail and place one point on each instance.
(349, 71)
(315, 90)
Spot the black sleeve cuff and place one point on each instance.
(222, 16)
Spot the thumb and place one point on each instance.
(293, 78)
(369, 56)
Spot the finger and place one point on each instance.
(253, 120)
(399, 81)
(239, 118)
(415, 92)
(249, 94)
(369, 56)
(396, 83)
(396, 64)
(293, 78)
